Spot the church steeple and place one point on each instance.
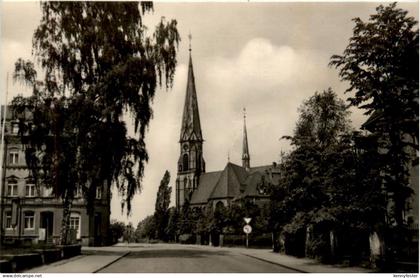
(190, 163)
(245, 150)
(191, 127)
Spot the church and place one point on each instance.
(199, 188)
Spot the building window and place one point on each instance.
(12, 188)
(78, 193)
(185, 162)
(75, 223)
(30, 189)
(8, 220)
(99, 192)
(47, 192)
(29, 218)
(15, 128)
(13, 157)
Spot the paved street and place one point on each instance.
(166, 258)
(173, 258)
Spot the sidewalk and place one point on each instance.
(300, 264)
(80, 264)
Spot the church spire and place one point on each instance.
(245, 150)
(191, 127)
(191, 163)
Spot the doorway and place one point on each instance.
(47, 222)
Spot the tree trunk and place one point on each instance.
(65, 223)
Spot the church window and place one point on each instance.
(219, 205)
(185, 182)
(199, 162)
(185, 162)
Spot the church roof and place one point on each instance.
(206, 185)
(229, 182)
(191, 128)
(232, 182)
(252, 183)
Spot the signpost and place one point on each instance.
(247, 230)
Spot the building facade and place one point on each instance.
(31, 213)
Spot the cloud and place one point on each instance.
(271, 81)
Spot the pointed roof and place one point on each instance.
(245, 150)
(191, 127)
(229, 182)
(206, 186)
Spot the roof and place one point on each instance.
(191, 127)
(233, 182)
(372, 120)
(207, 182)
(229, 183)
(245, 150)
(251, 184)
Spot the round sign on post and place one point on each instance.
(247, 229)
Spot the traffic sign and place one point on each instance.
(247, 229)
(247, 219)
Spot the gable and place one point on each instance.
(206, 185)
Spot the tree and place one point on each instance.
(313, 182)
(146, 229)
(116, 230)
(163, 199)
(171, 229)
(129, 233)
(381, 65)
(99, 65)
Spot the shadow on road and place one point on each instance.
(174, 253)
(103, 252)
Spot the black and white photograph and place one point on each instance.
(209, 137)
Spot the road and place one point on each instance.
(163, 258)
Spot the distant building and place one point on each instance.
(32, 214)
(199, 188)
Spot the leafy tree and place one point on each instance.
(129, 233)
(381, 65)
(116, 230)
(99, 65)
(146, 229)
(172, 230)
(205, 220)
(312, 173)
(162, 206)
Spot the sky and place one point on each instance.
(266, 57)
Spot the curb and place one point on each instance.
(271, 262)
(110, 263)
